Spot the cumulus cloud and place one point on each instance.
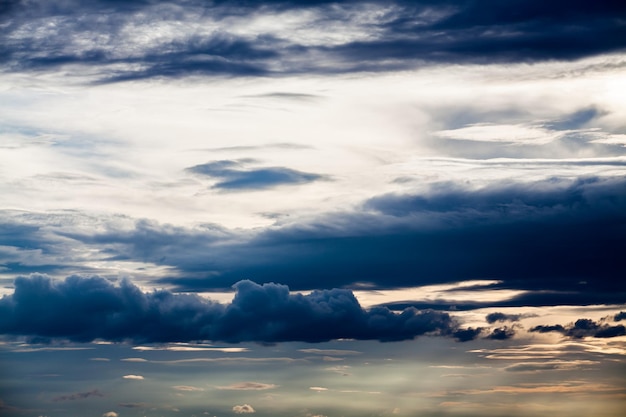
(243, 409)
(465, 335)
(583, 328)
(84, 309)
(110, 414)
(136, 377)
(501, 333)
(501, 317)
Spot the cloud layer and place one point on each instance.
(370, 36)
(84, 309)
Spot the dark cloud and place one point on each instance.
(620, 316)
(84, 309)
(584, 328)
(235, 176)
(501, 333)
(558, 240)
(411, 34)
(79, 395)
(465, 335)
(494, 317)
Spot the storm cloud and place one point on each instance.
(85, 309)
(558, 240)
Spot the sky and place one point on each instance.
(312, 208)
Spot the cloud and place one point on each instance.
(620, 316)
(501, 333)
(135, 377)
(248, 386)
(234, 175)
(552, 365)
(243, 409)
(465, 335)
(583, 328)
(220, 39)
(79, 396)
(84, 309)
(318, 389)
(501, 317)
(560, 235)
(110, 414)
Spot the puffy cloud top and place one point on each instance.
(84, 309)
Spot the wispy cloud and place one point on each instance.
(248, 386)
(376, 36)
(79, 395)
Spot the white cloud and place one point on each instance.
(110, 414)
(243, 409)
(516, 134)
(137, 377)
(318, 389)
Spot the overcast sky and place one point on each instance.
(312, 208)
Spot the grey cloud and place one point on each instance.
(234, 175)
(501, 333)
(79, 395)
(457, 31)
(583, 328)
(465, 335)
(620, 316)
(494, 317)
(84, 309)
(558, 240)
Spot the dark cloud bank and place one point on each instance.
(560, 241)
(84, 309)
(414, 34)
